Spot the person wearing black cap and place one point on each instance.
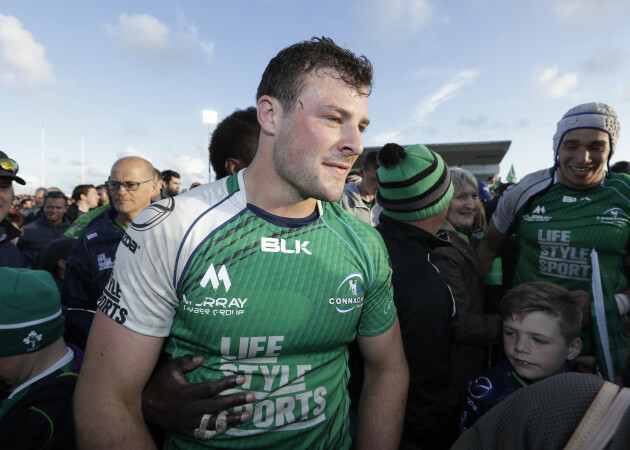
(414, 190)
(10, 256)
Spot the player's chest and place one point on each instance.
(288, 283)
(575, 222)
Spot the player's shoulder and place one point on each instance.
(619, 181)
(615, 189)
(183, 210)
(531, 183)
(516, 196)
(342, 219)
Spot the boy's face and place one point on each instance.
(535, 347)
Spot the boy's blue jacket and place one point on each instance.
(488, 390)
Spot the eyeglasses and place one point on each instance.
(9, 165)
(129, 186)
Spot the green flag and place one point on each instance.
(511, 177)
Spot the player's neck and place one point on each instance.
(266, 190)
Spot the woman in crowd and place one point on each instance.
(474, 331)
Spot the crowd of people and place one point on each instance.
(290, 305)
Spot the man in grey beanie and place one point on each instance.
(572, 223)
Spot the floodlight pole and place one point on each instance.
(43, 156)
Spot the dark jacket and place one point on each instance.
(72, 213)
(40, 232)
(489, 390)
(10, 255)
(43, 417)
(426, 310)
(88, 269)
(473, 330)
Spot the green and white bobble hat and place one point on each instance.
(588, 115)
(30, 311)
(414, 183)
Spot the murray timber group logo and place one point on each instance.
(216, 277)
(349, 293)
(537, 215)
(612, 215)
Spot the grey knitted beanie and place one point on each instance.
(588, 115)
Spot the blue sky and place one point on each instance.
(132, 77)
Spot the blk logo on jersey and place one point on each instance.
(216, 277)
(350, 293)
(273, 245)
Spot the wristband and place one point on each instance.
(623, 303)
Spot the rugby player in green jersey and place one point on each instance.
(572, 223)
(304, 279)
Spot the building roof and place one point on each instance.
(481, 158)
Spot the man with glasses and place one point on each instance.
(46, 227)
(10, 256)
(131, 186)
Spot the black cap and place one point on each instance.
(10, 172)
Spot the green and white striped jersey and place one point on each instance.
(274, 299)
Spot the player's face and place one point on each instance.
(582, 157)
(54, 209)
(319, 141)
(6, 197)
(92, 198)
(462, 208)
(369, 181)
(131, 203)
(535, 347)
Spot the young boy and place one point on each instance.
(541, 331)
(37, 371)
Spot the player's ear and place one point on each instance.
(269, 113)
(575, 347)
(233, 165)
